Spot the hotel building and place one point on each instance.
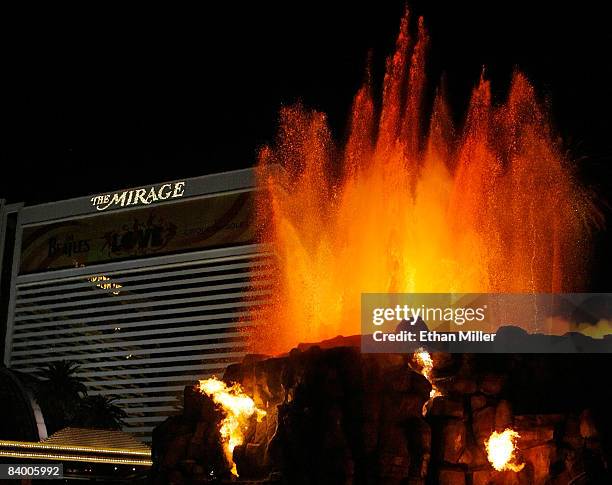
(147, 289)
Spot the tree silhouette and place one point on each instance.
(99, 412)
(59, 394)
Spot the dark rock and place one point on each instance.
(399, 379)
(540, 459)
(462, 385)
(251, 460)
(442, 362)
(453, 440)
(492, 384)
(483, 423)
(414, 481)
(588, 428)
(175, 478)
(474, 456)
(482, 477)
(180, 443)
(451, 477)
(372, 406)
(478, 401)
(370, 431)
(192, 403)
(418, 434)
(533, 420)
(399, 406)
(445, 406)
(535, 436)
(336, 416)
(571, 433)
(394, 468)
(503, 415)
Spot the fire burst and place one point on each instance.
(412, 204)
(425, 362)
(238, 408)
(501, 448)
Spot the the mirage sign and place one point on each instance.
(143, 196)
(145, 230)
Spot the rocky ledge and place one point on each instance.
(336, 416)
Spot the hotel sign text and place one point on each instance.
(144, 196)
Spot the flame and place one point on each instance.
(501, 448)
(238, 408)
(414, 205)
(425, 362)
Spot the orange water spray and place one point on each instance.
(409, 203)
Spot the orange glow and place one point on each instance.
(409, 203)
(238, 408)
(501, 448)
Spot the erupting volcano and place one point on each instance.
(411, 203)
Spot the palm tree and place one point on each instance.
(59, 393)
(99, 412)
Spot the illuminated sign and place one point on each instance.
(144, 196)
(188, 224)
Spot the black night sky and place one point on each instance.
(105, 99)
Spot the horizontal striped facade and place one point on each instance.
(142, 323)
(142, 330)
